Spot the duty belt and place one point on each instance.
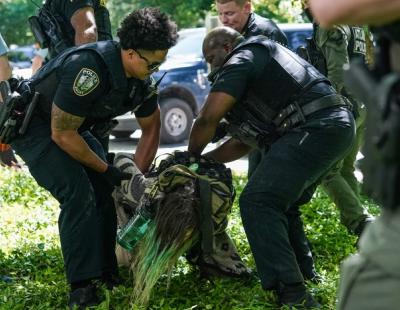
(294, 114)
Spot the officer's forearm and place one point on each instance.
(75, 146)
(231, 150)
(5, 68)
(84, 24)
(87, 36)
(146, 150)
(202, 133)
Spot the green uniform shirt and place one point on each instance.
(333, 44)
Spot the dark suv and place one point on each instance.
(184, 88)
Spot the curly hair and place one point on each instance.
(148, 29)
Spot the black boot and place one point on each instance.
(297, 296)
(111, 280)
(83, 297)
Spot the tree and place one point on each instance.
(14, 21)
(279, 10)
(118, 10)
(186, 13)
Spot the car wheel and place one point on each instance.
(176, 120)
(121, 134)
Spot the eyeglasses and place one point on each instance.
(150, 66)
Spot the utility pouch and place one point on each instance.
(311, 53)
(37, 31)
(16, 111)
(244, 126)
(47, 30)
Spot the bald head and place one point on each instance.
(218, 43)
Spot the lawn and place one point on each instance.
(32, 274)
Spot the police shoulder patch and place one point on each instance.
(85, 82)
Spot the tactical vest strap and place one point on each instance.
(294, 114)
(206, 225)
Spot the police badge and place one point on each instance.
(85, 82)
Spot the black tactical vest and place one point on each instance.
(121, 92)
(285, 79)
(257, 25)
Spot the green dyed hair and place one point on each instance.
(174, 230)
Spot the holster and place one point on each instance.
(37, 31)
(48, 32)
(16, 111)
(253, 135)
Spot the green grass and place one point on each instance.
(30, 254)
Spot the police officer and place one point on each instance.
(336, 46)
(270, 96)
(80, 89)
(371, 279)
(6, 153)
(81, 21)
(237, 14)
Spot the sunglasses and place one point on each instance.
(150, 66)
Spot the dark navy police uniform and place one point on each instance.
(87, 81)
(265, 78)
(258, 25)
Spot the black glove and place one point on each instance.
(114, 176)
(110, 157)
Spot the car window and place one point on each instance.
(21, 57)
(189, 46)
(16, 55)
(297, 37)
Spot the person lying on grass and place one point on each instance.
(180, 222)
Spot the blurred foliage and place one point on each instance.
(282, 11)
(14, 21)
(186, 13)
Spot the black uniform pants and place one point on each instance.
(87, 221)
(286, 176)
